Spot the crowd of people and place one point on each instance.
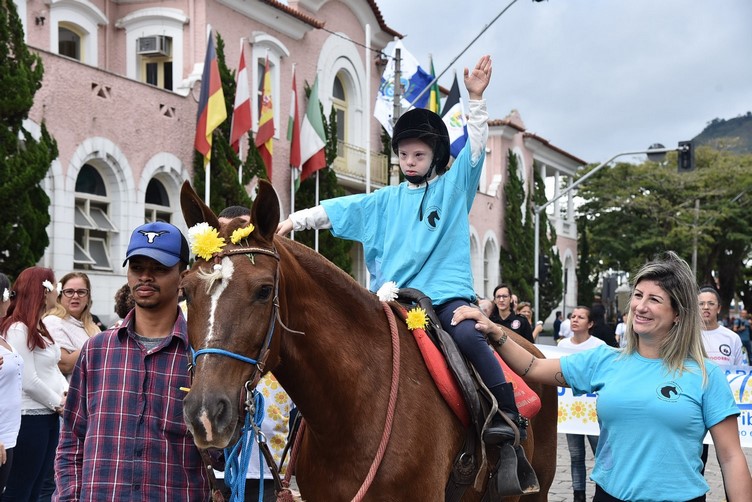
(97, 415)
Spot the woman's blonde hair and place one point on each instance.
(60, 311)
(684, 340)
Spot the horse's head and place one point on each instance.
(231, 292)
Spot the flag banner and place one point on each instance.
(265, 134)
(241, 115)
(211, 103)
(413, 78)
(293, 134)
(577, 414)
(312, 136)
(455, 119)
(434, 101)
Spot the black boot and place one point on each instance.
(499, 431)
(579, 496)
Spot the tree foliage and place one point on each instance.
(517, 260)
(25, 160)
(632, 212)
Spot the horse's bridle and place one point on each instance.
(259, 362)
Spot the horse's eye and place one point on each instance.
(264, 293)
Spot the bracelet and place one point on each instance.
(500, 341)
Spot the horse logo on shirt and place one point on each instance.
(669, 392)
(433, 217)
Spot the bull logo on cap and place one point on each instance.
(150, 236)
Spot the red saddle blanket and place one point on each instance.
(528, 402)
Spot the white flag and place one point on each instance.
(414, 79)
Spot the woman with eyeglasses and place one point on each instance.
(70, 322)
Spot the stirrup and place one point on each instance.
(513, 474)
(506, 429)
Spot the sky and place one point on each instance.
(594, 77)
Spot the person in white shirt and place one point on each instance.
(43, 385)
(724, 347)
(620, 330)
(580, 340)
(565, 331)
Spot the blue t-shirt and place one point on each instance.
(652, 423)
(432, 255)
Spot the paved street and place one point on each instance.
(561, 490)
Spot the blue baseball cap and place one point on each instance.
(160, 241)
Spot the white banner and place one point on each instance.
(577, 415)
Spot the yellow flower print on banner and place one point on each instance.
(563, 415)
(592, 414)
(273, 412)
(578, 409)
(277, 442)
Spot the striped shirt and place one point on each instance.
(123, 436)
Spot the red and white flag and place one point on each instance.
(241, 115)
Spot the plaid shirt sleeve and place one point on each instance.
(69, 457)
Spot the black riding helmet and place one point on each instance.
(428, 127)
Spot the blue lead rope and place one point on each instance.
(239, 456)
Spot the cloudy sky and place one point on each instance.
(594, 77)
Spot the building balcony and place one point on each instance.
(350, 166)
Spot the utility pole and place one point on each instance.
(396, 112)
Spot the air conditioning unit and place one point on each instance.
(156, 45)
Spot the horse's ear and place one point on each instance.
(265, 210)
(194, 209)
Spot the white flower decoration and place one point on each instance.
(59, 287)
(388, 291)
(48, 285)
(6, 295)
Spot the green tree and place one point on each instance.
(634, 211)
(551, 287)
(25, 160)
(225, 189)
(335, 250)
(516, 259)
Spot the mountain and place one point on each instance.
(734, 135)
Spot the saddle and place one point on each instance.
(512, 473)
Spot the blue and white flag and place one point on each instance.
(455, 119)
(414, 79)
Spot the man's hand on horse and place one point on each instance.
(284, 227)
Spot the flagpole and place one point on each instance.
(207, 165)
(240, 143)
(368, 122)
(316, 235)
(436, 79)
(292, 176)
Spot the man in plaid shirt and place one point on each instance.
(123, 435)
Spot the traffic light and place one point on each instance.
(686, 157)
(544, 267)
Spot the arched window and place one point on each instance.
(339, 102)
(69, 41)
(157, 203)
(93, 228)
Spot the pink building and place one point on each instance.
(121, 83)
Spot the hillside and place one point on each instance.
(734, 135)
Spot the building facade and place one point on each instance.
(120, 91)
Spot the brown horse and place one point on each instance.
(338, 372)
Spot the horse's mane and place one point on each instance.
(321, 269)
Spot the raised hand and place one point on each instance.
(478, 79)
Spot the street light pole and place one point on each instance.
(538, 209)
